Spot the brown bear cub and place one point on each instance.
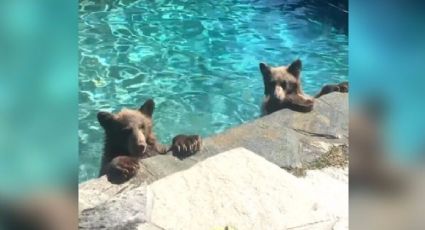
(341, 87)
(282, 88)
(129, 137)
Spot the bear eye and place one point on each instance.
(283, 84)
(142, 126)
(126, 129)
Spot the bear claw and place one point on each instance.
(121, 169)
(185, 145)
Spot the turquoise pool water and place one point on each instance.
(198, 60)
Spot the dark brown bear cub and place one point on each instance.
(129, 138)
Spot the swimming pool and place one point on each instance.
(198, 60)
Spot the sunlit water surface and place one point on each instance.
(198, 60)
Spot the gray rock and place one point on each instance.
(126, 210)
(288, 138)
(96, 191)
(241, 189)
(237, 188)
(148, 226)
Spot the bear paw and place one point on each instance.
(185, 145)
(121, 169)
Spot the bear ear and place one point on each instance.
(105, 119)
(295, 68)
(147, 108)
(265, 70)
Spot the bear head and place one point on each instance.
(282, 88)
(129, 132)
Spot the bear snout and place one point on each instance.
(137, 144)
